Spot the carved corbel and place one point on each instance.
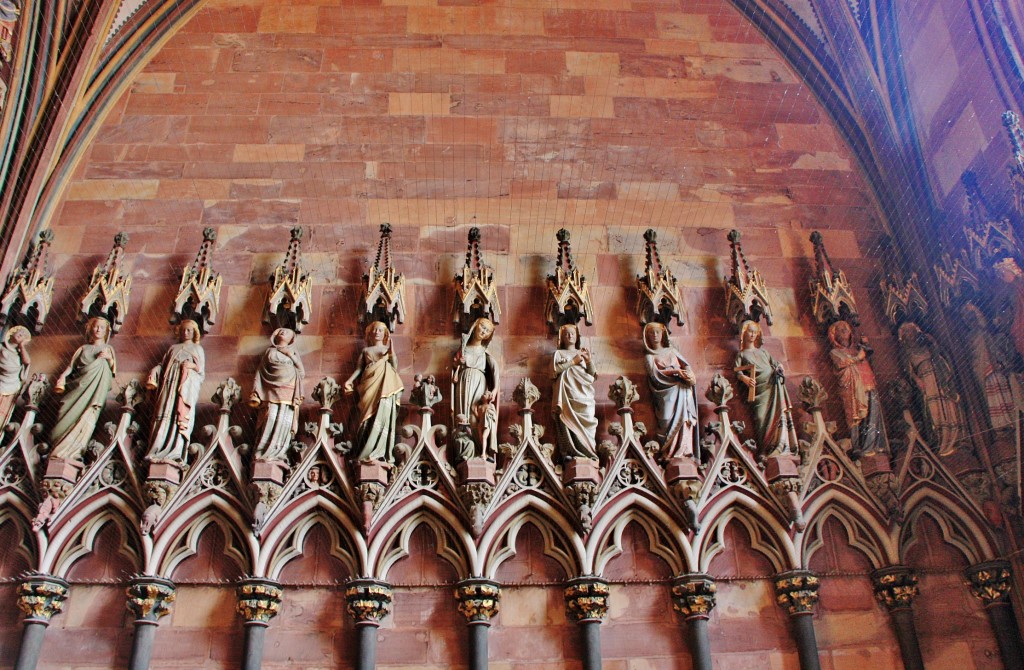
(586, 599)
(831, 293)
(659, 299)
(198, 296)
(290, 303)
(28, 295)
(368, 601)
(259, 600)
(476, 289)
(479, 599)
(109, 290)
(41, 597)
(796, 591)
(568, 298)
(150, 598)
(383, 287)
(746, 294)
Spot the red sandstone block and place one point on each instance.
(98, 647)
(228, 129)
(479, 104)
(350, 21)
(535, 62)
(242, 19)
(170, 58)
(357, 60)
(139, 129)
(295, 104)
(589, 23)
(167, 103)
(246, 189)
(301, 649)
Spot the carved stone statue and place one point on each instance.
(932, 375)
(380, 392)
(1010, 273)
(766, 392)
(672, 385)
(858, 391)
(85, 384)
(574, 404)
(14, 367)
(475, 387)
(277, 392)
(177, 380)
(993, 361)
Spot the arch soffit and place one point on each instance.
(294, 541)
(188, 524)
(863, 532)
(109, 505)
(767, 534)
(280, 535)
(391, 541)
(605, 540)
(960, 529)
(81, 542)
(561, 540)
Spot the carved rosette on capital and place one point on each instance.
(479, 600)
(150, 598)
(41, 597)
(990, 582)
(368, 601)
(895, 587)
(694, 596)
(259, 600)
(586, 599)
(796, 591)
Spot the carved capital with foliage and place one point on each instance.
(479, 599)
(259, 600)
(990, 582)
(796, 591)
(368, 601)
(586, 599)
(693, 596)
(895, 587)
(149, 598)
(40, 597)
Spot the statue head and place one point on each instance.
(569, 336)
(655, 336)
(377, 333)
(751, 332)
(188, 331)
(840, 334)
(1008, 270)
(282, 337)
(972, 316)
(482, 331)
(18, 335)
(97, 329)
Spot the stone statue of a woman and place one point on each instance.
(178, 379)
(14, 367)
(574, 404)
(85, 384)
(672, 384)
(475, 387)
(277, 392)
(380, 392)
(766, 392)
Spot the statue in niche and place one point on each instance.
(85, 384)
(993, 361)
(177, 380)
(1010, 273)
(766, 392)
(14, 366)
(574, 403)
(277, 392)
(932, 374)
(672, 385)
(858, 391)
(475, 387)
(380, 392)
(462, 440)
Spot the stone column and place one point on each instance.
(149, 598)
(368, 601)
(693, 596)
(259, 601)
(896, 588)
(479, 600)
(990, 583)
(39, 597)
(586, 603)
(797, 592)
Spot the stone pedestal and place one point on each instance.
(476, 470)
(581, 469)
(782, 465)
(371, 482)
(165, 472)
(581, 477)
(270, 471)
(873, 464)
(59, 468)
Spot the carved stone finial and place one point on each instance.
(526, 393)
(659, 299)
(41, 597)
(568, 298)
(746, 295)
(290, 303)
(383, 289)
(150, 598)
(831, 293)
(1012, 123)
(990, 582)
(227, 394)
(956, 282)
(109, 291)
(259, 600)
(198, 296)
(623, 393)
(586, 599)
(796, 591)
(368, 601)
(479, 599)
(693, 596)
(719, 390)
(904, 300)
(476, 290)
(28, 295)
(812, 393)
(327, 392)
(895, 587)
